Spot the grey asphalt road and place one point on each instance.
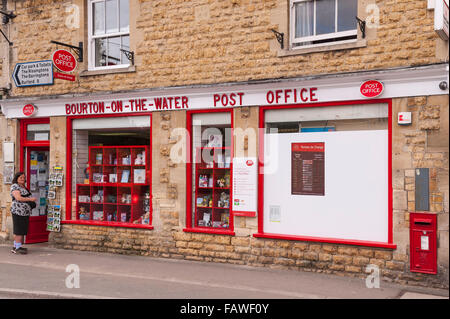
(43, 274)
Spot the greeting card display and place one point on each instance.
(118, 189)
(213, 187)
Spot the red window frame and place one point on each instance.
(68, 219)
(189, 155)
(262, 234)
(23, 137)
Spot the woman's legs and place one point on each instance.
(19, 239)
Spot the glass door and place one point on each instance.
(37, 166)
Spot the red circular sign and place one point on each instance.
(372, 88)
(29, 110)
(249, 162)
(64, 60)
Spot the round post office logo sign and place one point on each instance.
(372, 88)
(64, 61)
(29, 110)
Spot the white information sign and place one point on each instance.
(245, 190)
(33, 73)
(424, 244)
(441, 18)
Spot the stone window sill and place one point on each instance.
(331, 47)
(129, 69)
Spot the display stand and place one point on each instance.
(119, 186)
(54, 207)
(213, 187)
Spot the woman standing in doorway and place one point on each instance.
(20, 211)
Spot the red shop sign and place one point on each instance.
(372, 88)
(29, 110)
(64, 60)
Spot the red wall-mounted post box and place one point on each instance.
(423, 236)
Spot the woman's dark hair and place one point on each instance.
(16, 177)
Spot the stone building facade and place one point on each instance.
(207, 49)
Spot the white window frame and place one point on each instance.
(333, 35)
(92, 38)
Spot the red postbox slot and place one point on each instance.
(423, 221)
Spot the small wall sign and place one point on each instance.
(29, 110)
(404, 118)
(371, 88)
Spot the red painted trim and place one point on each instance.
(23, 129)
(261, 171)
(261, 233)
(32, 237)
(326, 240)
(99, 223)
(247, 214)
(69, 171)
(390, 173)
(209, 231)
(189, 158)
(23, 124)
(188, 171)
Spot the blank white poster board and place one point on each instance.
(355, 202)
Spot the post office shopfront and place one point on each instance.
(299, 173)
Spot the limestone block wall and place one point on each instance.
(9, 129)
(204, 41)
(423, 144)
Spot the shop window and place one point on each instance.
(322, 22)
(211, 187)
(326, 173)
(111, 172)
(109, 33)
(38, 132)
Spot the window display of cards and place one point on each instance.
(139, 176)
(125, 176)
(214, 140)
(97, 215)
(116, 187)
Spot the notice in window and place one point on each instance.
(245, 188)
(308, 169)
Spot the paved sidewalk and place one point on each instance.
(42, 274)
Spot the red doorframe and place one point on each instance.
(189, 157)
(23, 137)
(37, 232)
(37, 228)
(68, 219)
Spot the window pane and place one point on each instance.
(112, 23)
(100, 52)
(109, 164)
(38, 132)
(347, 11)
(325, 16)
(99, 17)
(125, 46)
(114, 51)
(124, 14)
(211, 174)
(304, 19)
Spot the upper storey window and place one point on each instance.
(319, 22)
(109, 33)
